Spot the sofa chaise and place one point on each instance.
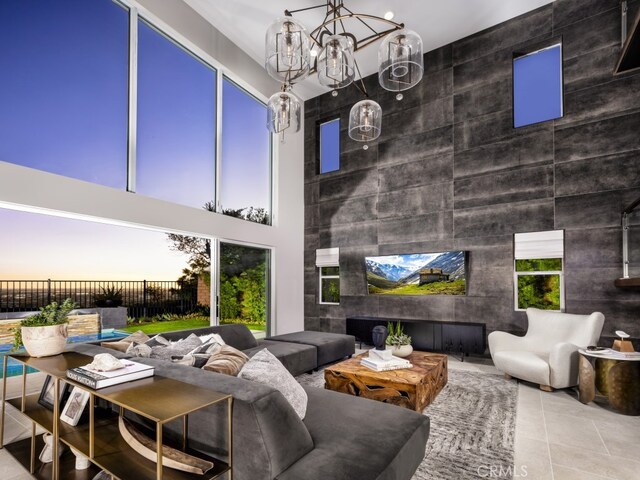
(341, 437)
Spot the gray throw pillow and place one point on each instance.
(181, 347)
(265, 368)
(139, 349)
(199, 356)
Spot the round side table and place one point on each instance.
(613, 376)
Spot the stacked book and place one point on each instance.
(97, 379)
(380, 365)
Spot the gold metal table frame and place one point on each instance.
(159, 399)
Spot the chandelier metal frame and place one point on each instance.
(334, 24)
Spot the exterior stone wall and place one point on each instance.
(78, 325)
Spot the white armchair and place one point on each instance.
(548, 353)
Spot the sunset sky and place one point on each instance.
(39, 247)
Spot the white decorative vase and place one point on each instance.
(44, 341)
(402, 351)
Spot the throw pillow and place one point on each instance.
(212, 336)
(265, 368)
(199, 356)
(123, 344)
(181, 347)
(227, 360)
(145, 349)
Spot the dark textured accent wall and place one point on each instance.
(450, 172)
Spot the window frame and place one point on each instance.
(320, 125)
(519, 55)
(327, 277)
(138, 12)
(517, 274)
(219, 105)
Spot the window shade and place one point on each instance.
(328, 257)
(549, 244)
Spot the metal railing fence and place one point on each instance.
(141, 297)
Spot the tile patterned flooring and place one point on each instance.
(557, 437)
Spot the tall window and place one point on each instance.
(330, 146)
(538, 277)
(245, 181)
(64, 88)
(330, 285)
(537, 86)
(244, 286)
(328, 263)
(176, 141)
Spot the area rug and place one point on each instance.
(472, 427)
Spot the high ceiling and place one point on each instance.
(438, 22)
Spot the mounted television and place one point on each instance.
(442, 273)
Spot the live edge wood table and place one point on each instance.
(412, 388)
(156, 398)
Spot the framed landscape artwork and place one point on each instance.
(441, 273)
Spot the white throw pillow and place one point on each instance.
(265, 368)
(212, 336)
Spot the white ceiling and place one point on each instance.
(438, 22)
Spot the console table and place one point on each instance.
(427, 335)
(158, 399)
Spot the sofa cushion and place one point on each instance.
(344, 450)
(265, 368)
(268, 436)
(236, 335)
(296, 358)
(227, 360)
(330, 346)
(93, 350)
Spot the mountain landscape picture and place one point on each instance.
(442, 273)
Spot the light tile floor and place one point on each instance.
(557, 437)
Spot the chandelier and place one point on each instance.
(292, 54)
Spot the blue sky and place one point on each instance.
(64, 109)
(412, 261)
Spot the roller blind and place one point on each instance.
(549, 244)
(328, 257)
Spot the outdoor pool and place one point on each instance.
(14, 368)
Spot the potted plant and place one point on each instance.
(45, 333)
(110, 297)
(399, 341)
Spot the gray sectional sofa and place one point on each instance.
(342, 437)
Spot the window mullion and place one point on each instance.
(218, 169)
(133, 99)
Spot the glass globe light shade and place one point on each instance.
(400, 62)
(287, 51)
(336, 62)
(283, 113)
(365, 121)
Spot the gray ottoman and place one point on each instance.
(330, 346)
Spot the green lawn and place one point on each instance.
(158, 327)
(457, 287)
(183, 324)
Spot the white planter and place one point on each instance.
(44, 341)
(401, 351)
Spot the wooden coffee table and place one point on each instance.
(412, 388)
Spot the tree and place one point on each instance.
(233, 257)
(198, 249)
